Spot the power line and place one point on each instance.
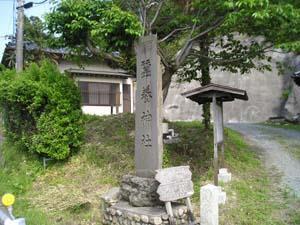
(38, 3)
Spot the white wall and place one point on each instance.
(106, 110)
(101, 110)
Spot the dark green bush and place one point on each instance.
(41, 110)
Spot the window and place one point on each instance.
(99, 94)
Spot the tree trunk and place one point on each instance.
(205, 80)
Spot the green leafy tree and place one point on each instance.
(35, 34)
(231, 35)
(235, 36)
(95, 27)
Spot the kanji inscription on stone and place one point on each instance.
(148, 118)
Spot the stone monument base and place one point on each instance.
(139, 191)
(122, 213)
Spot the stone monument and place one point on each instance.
(148, 113)
(136, 201)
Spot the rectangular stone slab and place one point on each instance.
(149, 211)
(148, 114)
(174, 191)
(157, 211)
(173, 174)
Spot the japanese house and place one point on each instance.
(104, 90)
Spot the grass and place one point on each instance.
(284, 125)
(70, 191)
(291, 146)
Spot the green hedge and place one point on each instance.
(42, 110)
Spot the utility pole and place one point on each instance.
(20, 38)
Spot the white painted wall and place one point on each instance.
(101, 110)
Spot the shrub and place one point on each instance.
(42, 110)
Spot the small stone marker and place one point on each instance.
(210, 197)
(175, 183)
(224, 176)
(148, 114)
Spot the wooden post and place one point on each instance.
(215, 117)
(170, 213)
(20, 37)
(190, 209)
(222, 133)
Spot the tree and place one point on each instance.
(206, 34)
(36, 37)
(97, 28)
(222, 34)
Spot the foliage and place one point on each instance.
(236, 34)
(41, 110)
(98, 25)
(35, 32)
(18, 170)
(36, 39)
(245, 32)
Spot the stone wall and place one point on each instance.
(119, 212)
(265, 91)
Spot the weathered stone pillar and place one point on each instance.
(148, 114)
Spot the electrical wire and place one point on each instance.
(39, 3)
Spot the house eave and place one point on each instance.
(94, 73)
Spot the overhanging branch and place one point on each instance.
(97, 51)
(156, 15)
(183, 53)
(172, 33)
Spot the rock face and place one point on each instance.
(265, 91)
(292, 105)
(139, 191)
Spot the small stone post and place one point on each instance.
(210, 197)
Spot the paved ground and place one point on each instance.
(280, 148)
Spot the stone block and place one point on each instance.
(209, 208)
(156, 220)
(222, 196)
(112, 196)
(139, 191)
(224, 176)
(145, 219)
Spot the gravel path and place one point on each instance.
(275, 144)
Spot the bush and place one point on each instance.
(42, 110)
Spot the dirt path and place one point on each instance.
(280, 149)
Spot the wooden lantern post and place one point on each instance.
(216, 94)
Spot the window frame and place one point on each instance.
(117, 93)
